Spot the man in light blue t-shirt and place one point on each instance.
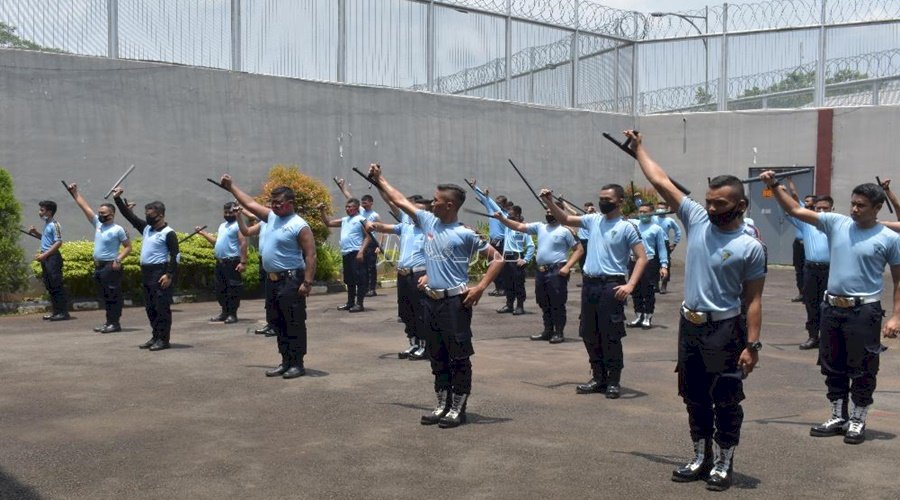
(673, 237)
(447, 309)
(725, 271)
(51, 261)
(605, 288)
(518, 249)
(354, 241)
(230, 248)
(644, 295)
(816, 264)
(849, 341)
(108, 257)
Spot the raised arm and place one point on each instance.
(380, 227)
(324, 218)
(126, 212)
(654, 173)
(564, 218)
(242, 224)
(891, 198)
(345, 189)
(247, 201)
(391, 194)
(514, 225)
(792, 190)
(81, 202)
(391, 207)
(790, 205)
(210, 238)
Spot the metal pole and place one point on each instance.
(508, 51)
(723, 62)
(706, 50)
(235, 35)
(634, 72)
(430, 49)
(112, 30)
(616, 80)
(531, 77)
(819, 93)
(342, 41)
(573, 85)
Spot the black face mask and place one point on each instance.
(723, 219)
(606, 207)
(550, 219)
(104, 218)
(230, 218)
(152, 220)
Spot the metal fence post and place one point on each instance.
(618, 105)
(723, 62)
(508, 52)
(573, 85)
(819, 94)
(635, 88)
(429, 56)
(342, 42)
(236, 35)
(112, 29)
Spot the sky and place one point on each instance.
(658, 5)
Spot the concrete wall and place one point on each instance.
(86, 119)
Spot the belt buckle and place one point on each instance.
(403, 271)
(274, 277)
(694, 317)
(543, 269)
(844, 302)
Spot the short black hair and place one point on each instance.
(110, 206)
(872, 191)
(352, 201)
(516, 208)
(826, 199)
(457, 194)
(367, 197)
(284, 191)
(589, 203)
(156, 206)
(48, 205)
(231, 205)
(501, 200)
(619, 190)
(731, 181)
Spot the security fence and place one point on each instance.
(561, 53)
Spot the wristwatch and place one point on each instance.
(754, 346)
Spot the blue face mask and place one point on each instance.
(645, 218)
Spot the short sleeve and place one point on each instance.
(893, 254)
(532, 227)
(425, 218)
(122, 235)
(632, 235)
(588, 221)
(398, 229)
(756, 261)
(690, 212)
(828, 222)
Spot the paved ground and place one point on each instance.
(84, 415)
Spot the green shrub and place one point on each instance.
(309, 192)
(13, 271)
(647, 195)
(328, 262)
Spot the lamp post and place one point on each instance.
(688, 18)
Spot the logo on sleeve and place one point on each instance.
(726, 255)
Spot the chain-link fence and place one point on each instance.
(561, 53)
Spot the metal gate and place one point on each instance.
(776, 231)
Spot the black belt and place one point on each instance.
(291, 273)
(550, 267)
(818, 265)
(228, 259)
(518, 255)
(151, 267)
(100, 264)
(605, 278)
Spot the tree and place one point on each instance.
(801, 79)
(13, 272)
(9, 39)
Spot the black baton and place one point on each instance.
(624, 147)
(28, 233)
(217, 184)
(780, 175)
(888, 202)
(191, 235)
(538, 198)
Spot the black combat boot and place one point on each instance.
(699, 467)
(457, 413)
(721, 475)
(443, 405)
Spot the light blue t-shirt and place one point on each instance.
(51, 234)
(496, 229)
(353, 233)
(609, 245)
(107, 239)
(858, 255)
(153, 247)
(412, 241)
(448, 249)
(815, 242)
(227, 243)
(583, 234)
(668, 226)
(282, 251)
(370, 215)
(262, 235)
(554, 242)
(718, 263)
(514, 241)
(654, 242)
